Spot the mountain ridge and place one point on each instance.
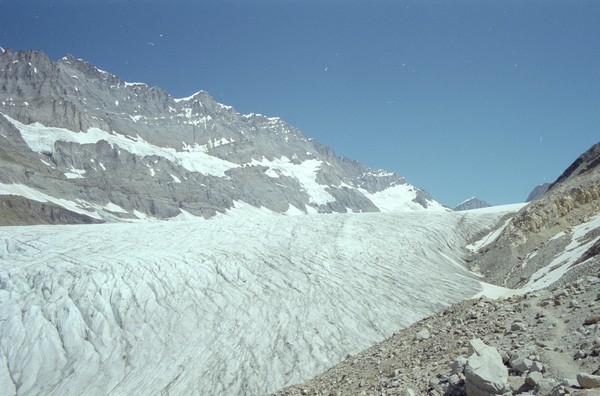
(135, 147)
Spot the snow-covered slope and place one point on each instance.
(226, 306)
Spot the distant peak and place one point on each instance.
(472, 203)
(191, 97)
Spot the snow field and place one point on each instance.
(227, 306)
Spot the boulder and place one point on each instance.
(588, 381)
(485, 373)
(520, 364)
(534, 379)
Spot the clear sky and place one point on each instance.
(463, 98)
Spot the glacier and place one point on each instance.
(233, 305)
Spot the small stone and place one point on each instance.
(454, 380)
(518, 326)
(520, 364)
(536, 367)
(588, 381)
(459, 365)
(558, 391)
(560, 293)
(580, 355)
(590, 320)
(545, 386)
(422, 335)
(515, 383)
(533, 379)
(573, 304)
(409, 392)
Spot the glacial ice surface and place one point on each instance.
(226, 306)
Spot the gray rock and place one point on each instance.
(546, 386)
(518, 326)
(573, 303)
(534, 379)
(422, 335)
(592, 319)
(536, 367)
(520, 364)
(458, 366)
(454, 380)
(588, 381)
(485, 373)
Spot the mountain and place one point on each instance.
(78, 144)
(472, 203)
(537, 192)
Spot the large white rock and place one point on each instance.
(485, 373)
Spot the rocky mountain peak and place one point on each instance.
(471, 203)
(92, 137)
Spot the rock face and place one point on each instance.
(116, 150)
(485, 373)
(530, 240)
(472, 203)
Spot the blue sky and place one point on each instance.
(463, 98)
